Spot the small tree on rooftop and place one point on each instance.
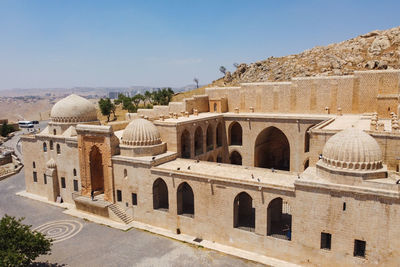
(106, 107)
(197, 82)
(19, 245)
(222, 69)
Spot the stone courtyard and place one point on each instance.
(99, 245)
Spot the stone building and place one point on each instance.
(305, 171)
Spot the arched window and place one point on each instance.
(54, 131)
(236, 158)
(58, 149)
(244, 213)
(34, 164)
(185, 144)
(44, 147)
(236, 134)
(74, 172)
(185, 200)
(279, 219)
(210, 138)
(215, 107)
(219, 134)
(51, 145)
(160, 195)
(125, 173)
(198, 141)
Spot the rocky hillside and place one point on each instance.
(374, 50)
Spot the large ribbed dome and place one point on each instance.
(352, 149)
(73, 108)
(141, 132)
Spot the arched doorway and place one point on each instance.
(210, 138)
(279, 219)
(244, 213)
(272, 150)
(198, 141)
(236, 158)
(185, 200)
(96, 170)
(160, 195)
(185, 144)
(235, 135)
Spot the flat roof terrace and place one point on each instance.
(278, 179)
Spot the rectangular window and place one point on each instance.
(75, 185)
(359, 248)
(44, 178)
(62, 182)
(134, 199)
(344, 206)
(326, 241)
(35, 177)
(119, 195)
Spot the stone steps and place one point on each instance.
(120, 213)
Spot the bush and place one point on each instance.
(19, 245)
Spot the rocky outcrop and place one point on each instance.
(374, 50)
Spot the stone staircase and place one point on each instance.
(120, 213)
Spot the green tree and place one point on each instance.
(106, 107)
(149, 97)
(19, 245)
(136, 99)
(163, 96)
(126, 103)
(6, 129)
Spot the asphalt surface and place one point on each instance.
(82, 243)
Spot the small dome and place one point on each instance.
(51, 164)
(352, 149)
(73, 108)
(141, 132)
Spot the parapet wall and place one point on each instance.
(363, 92)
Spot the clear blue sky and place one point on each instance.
(166, 43)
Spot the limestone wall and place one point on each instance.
(365, 91)
(66, 161)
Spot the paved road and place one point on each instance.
(82, 243)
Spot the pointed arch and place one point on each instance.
(272, 150)
(185, 144)
(235, 134)
(185, 200)
(160, 195)
(198, 141)
(244, 213)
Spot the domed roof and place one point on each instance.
(352, 149)
(73, 108)
(141, 132)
